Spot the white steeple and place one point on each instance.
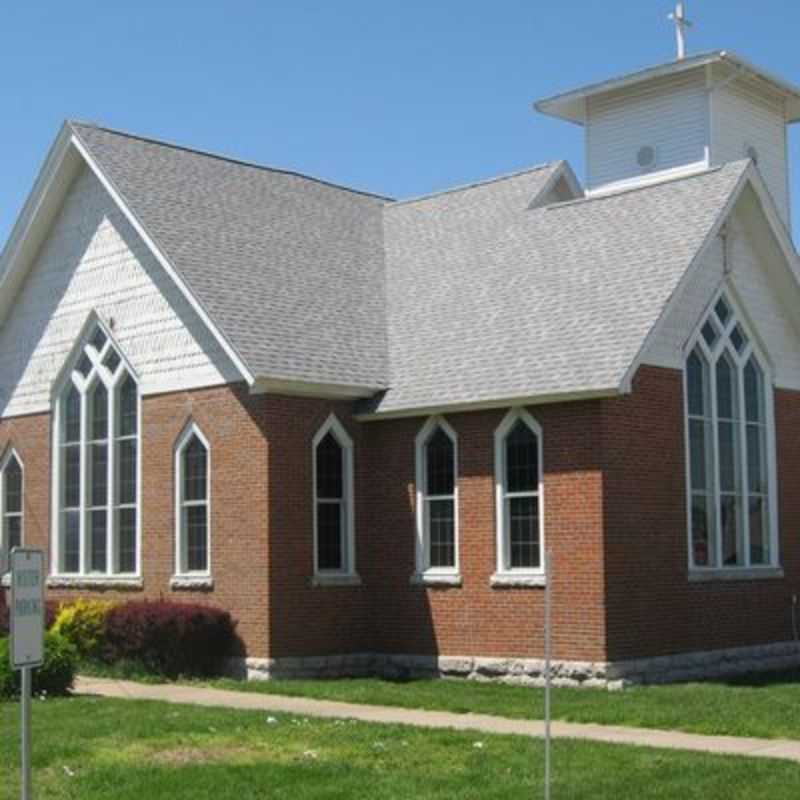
(681, 117)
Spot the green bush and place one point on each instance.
(54, 677)
(83, 623)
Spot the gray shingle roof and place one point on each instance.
(463, 297)
(489, 300)
(289, 268)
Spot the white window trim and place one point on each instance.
(502, 546)
(10, 453)
(65, 376)
(335, 427)
(181, 540)
(424, 572)
(746, 571)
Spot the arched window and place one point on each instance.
(334, 550)
(437, 506)
(11, 502)
(193, 522)
(97, 463)
(518, 479)
(730, 436)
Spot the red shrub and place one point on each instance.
(169, 638)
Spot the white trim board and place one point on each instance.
(192, 299)
(60, 168)
(750, 177)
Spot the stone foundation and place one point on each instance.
(530, 672)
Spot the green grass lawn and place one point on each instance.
(766, 706)
(88, 748)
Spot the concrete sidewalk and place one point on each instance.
(249, 701)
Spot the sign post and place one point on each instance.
(27, 638)
(548, 611)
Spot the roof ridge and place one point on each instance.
(73, 123)
(475, 184)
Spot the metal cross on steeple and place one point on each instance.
(681, 24)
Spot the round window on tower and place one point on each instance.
(646, 157)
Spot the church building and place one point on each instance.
(360, 424)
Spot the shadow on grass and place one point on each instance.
(757, 680)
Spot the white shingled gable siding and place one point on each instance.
(94, 260)
(670, 115)
(742, 118)
(758, 295)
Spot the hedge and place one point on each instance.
(54, 677)
(168, 638)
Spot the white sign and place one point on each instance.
(27, 608)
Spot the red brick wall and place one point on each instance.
(231, 420)
(476, 619)
(387, 613)
(615, 521)
(304, 619)
(653, 609)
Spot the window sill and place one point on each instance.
(93, 582)
(5, 580)
(336, 580)
(435, 579)
(510, 580)
(752, 574)
(189, 583)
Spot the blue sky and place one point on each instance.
(400, 98)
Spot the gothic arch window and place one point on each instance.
(437, 499)
(12, 507)
(519, 495)
(730, 443)
(334, 525)
(96, 463)
(193, 493)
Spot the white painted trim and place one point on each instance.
(94, 582)
(67, 376)
(191, 582)
(435, 579)
(562, 105)
(709, 116)
(31, 211)
(191, 298)
(489, 405)
(10, 452)
(562, 171)
(774, 217)
(787, 171)
(648, 179)
(64, 374)
(348, 570)
(751, 177)
(500, 434)
(182, 574)
(712, 355)
(423, 569)
(514, 581)
(14, 263)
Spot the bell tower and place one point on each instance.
(686, 116)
